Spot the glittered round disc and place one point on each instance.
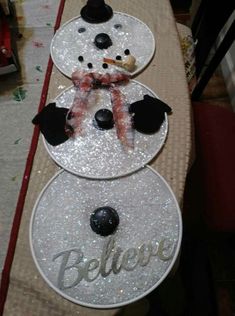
(99, 154)
(73, 47)
(112, 271)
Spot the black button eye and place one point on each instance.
(89, 65)
(81, 30)
(127, 52)
(80, 58)
(118, 57)
(117, 26)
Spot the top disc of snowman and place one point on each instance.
(122, 42)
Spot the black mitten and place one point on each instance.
(148, 114)
(51, 121)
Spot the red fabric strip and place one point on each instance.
(24, 186)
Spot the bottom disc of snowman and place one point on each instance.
(119, 268)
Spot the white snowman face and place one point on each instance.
(74, 46)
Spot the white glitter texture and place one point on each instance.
(99, 154)
(68, 44)
(147, 209)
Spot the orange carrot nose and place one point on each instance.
(128, 64)
(109, 61)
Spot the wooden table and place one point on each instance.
(28, 294)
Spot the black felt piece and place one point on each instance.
(148, 114)
(51, 121)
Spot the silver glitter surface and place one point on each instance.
(68, 44)
(99, 154)
(148, 213)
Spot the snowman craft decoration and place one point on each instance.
(117, 224)
(105, 108)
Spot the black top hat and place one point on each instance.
(96, 11)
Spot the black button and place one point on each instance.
(104, 220)
(104, 119)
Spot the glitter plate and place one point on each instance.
(125, 31)
(68, 253)
(99, 154)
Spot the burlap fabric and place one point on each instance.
(28, 294)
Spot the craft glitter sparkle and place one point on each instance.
(99, 154)
(69, 43)
(103, 272)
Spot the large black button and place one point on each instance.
(104, 220)
(104, 119)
